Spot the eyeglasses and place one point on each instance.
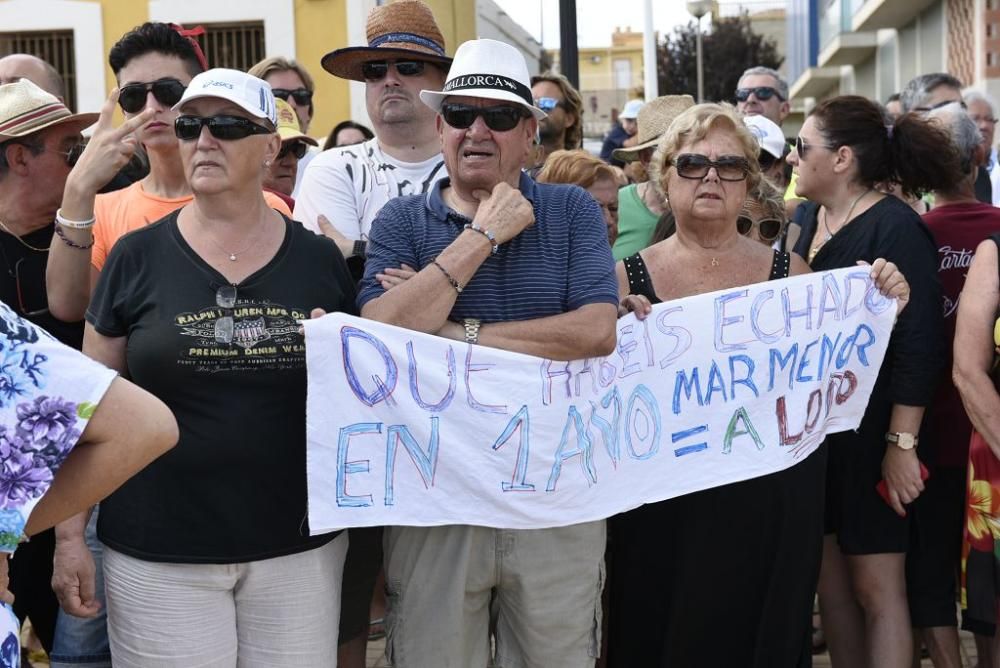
(547, 104)
(302, 96)
(188, 128)
(728, 167)
(296, 148)
(498, 119)
(801, 147)
(373, 70)
(769, 229)
(762, 93)
(132, 98)
(225, 298)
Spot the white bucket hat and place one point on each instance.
(489, 69)
(247, 92)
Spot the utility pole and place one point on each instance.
(569, 54)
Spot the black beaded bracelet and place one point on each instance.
(70, 243)
(455, 284)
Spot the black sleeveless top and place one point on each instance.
(639, 282)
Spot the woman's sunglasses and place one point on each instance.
(374, 70)
(132, 98)
(302, 96)
(498, 119)
(696, 166)
(296, 148)
(769, 229)
(188, 128)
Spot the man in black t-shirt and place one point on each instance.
(38, 137)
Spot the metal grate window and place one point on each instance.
(53, 46)
(238, 46)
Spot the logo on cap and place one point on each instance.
(214, 82)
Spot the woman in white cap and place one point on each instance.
(208, 557)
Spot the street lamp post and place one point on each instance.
(698, 9)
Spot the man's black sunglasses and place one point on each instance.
(499, 119)
(132, 98)
(762, 93)
(302, 96)
(188, 128)
(296, 148)
(373, 70)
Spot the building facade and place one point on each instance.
(609, 77)
(873, 47)
(76, 35)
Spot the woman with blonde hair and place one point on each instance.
(747, 551)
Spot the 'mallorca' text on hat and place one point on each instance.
(467, 81)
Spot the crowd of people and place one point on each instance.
(168, 247)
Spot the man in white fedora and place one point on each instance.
(349, 185)
(503, 262)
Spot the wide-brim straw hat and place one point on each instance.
(25, 109)
(403, 30)
(488, 69)
(654, 119)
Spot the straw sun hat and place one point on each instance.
(654, 119)
(403, 30)
(25, 109)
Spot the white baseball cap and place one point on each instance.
(767, 133)
(631, 110)
(247, 92)
(489, 69)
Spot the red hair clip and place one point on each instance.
(190, 34)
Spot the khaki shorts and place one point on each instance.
(537, 591)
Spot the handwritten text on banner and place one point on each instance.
(410, 429)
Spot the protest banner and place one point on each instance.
(406, 428)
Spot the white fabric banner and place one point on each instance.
(407, 428)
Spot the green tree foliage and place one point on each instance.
(728, 48)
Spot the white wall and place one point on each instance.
(84, 19)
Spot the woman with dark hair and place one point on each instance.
(845, 148)
(153, 64)
(346, 133)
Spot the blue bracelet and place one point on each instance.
(487, 234)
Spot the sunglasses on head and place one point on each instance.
(302, 96)
(547, 104)
(728, 167)
(768, 228)
(762, 93)
(296, 148)
(188, 128)
(132, 98)
(499, 118)
(374, 70)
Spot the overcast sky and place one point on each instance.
(596, 19)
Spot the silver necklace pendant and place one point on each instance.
(232, 257)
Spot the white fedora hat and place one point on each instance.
(488, 69)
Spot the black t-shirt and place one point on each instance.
(234, 487)
(22, 283)
(892, 230)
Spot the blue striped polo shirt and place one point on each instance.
(559, 264)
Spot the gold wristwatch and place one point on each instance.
(902, 440)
